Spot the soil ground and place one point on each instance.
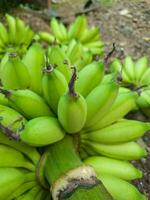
(127, 23)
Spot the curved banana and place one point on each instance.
(54, 86)
(121, 189)
(72, 109)
(109, 166)
(121, 151)
(89, 77)
(14, 74)
(27, 102)
(42, 131)
(105, 95)
(140, 68)
(11, 21)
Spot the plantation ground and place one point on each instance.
(127, 23)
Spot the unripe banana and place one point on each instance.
(3, 34)
(122, 151)
(11, 118)
(28, 151)
(94, 72)
(20, 31)
(129, 68)
(145, 80)
(22, 189)
(54, 86)
(14, 74)
(56, 52)
(72, 108)
(27, 102)
(105, 95)
(121, 189)
(77, 29)
(121, 131)
(89, 35)
(63, 31)
(75, 53)
(123, 104)
(42, 131)
(140, 68)
(28, 36)
(9, 157)
(34, 59)
(31, 194)
(11, 28)
(47, 37)
(143, 100)
(117, 168)
(10, 180)
(3, 100)
(116, 66)
(56, 30)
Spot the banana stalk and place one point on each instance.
(67, 176)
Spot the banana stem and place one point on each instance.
(62, 162)
(72, 84)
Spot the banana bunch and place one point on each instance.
(16, 38)
(133, 74)
(78, 31)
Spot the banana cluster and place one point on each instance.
(47, 94)
(78, 31)
(16, 38)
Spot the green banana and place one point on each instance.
(117, 168)
(22, 189)
(56, 30)
(54, 86)
(119, 132)
(116, 66)
(89, 35)
(11, 118)
(3, 34)
(94, 72)
(140, 68)
(123, 104)
(105, 95)
(56, 52)
(145, 80)
(129, 68)
(34, 60)
(121, 189)
(9, 157)
(3, 100)
(41, 131)
(20, 31)
(31, 194)
(9, 176)
(143, 100)
(72, 108)
(14, 74)
(63, 31)
(27, 102)
(11, 28)
(28, 36)
(75, 53)
(77, 28)
(47, 37)
(30, 152)
(122, 151)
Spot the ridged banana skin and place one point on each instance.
(42, 131)
(129, 68)
(105, 96)
(11, 118)
(123, 104)
(28, 103)
(14, 74)
(31, 194)
(119, 132)
(122, 151)
(121, 169)
(72, 112)
(30, 152)
(9, 157)
(89, 77)
(54, 86)
(121, 189)
(10, 180)
(22, 189)
(34, 60)
(140, 68)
